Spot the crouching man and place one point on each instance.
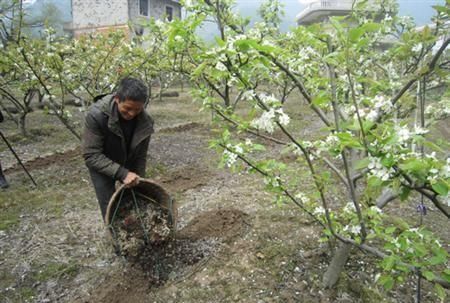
(116, 137)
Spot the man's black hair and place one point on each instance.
(132, 89)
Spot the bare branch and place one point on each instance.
(431, 66)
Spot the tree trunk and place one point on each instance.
(21, 124)
(337, 264)
(160, 88)
(386, 196)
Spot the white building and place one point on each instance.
(103, 15)
(320, 10)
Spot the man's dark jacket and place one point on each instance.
(104, 147)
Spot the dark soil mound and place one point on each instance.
(223, 223)
(174, 257)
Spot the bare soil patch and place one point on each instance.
(223, 223)
(45, 161)
(175, 259)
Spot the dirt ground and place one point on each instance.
(233, 244)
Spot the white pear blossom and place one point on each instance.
(238, 149)
(403, 134)
(420, 131)
(353, 229)
(249, 95)
(268, 99)
(319, 210)
(349, 207)
(430, 156)
(332, 140)
(273, 181)
(377, 169)
(387, 18)
(231, 157)
(282, 117)
(266, 121)
(381, 102)
(417, 48)
(159, 23)
(376, 209)
(433, 174)
(445, 170)
(296, 150)
(302, 197)
(220, 66)
(372, 115)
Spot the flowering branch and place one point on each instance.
(430, 68)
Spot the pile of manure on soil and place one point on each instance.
(137, 223)
(143, 234)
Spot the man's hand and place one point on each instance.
(131, 180)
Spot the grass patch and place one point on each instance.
(8, 219)
(26, 294)
(52, 200)
(56, 271)
(367, 294)
(155, 169)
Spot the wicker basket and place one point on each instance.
(150, 190)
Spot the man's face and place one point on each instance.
(129, 109)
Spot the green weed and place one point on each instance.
(56, 271)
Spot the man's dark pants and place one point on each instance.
(104, 189)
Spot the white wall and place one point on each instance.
(98, 13)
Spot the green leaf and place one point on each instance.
(433, 146)
(416, 166)
(243, 44)
(429, 275)
(226, 135)
(438, 260)
(389, 262)
(219, 41)
(347, 140)
(390, 230)
(371, 26)
(259, 147)
(363, 163)
(374, 182)
(199, 70)
(440, 187)
(387, 161)
(320, 99)
(420, 250)
(387, 282)
(440, 291)
(336, 24)
(356, 33)
(442, 9)
(367, 125)
(404, 193)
